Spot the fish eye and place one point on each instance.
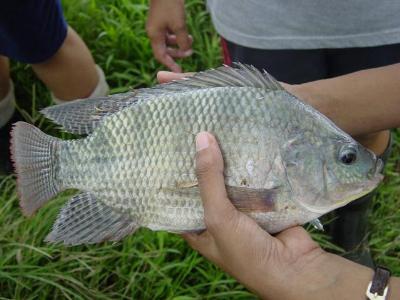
(348, 155)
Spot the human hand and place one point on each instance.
(265, 264)
(166, 27)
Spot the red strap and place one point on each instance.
(225, 52)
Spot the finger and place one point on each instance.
(164, 76)
(196, 240)
(177, 53)
(171, 39)
(203, 243)
(219, 211)
(183, 39)
(160, 52)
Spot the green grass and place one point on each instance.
(146, 265)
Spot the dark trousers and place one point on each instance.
(299, 66)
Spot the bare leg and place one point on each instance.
(4, 76)
(71, 72)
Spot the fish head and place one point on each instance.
(353, 171)
(325, 175)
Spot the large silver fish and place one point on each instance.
(286, 164)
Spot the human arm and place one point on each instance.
(360, 103)
(286, 266)
(166, 27)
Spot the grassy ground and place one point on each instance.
(147, 265)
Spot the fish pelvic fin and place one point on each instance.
(86, 220)
(34, 155)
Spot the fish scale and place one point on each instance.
(135, 168)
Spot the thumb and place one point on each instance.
(209, 169)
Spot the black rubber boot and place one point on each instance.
(349, 230)
(6, 167)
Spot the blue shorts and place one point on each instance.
(31, 31)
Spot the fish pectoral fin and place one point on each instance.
(83, 116)
(85, 220)
(251, 200)
(245, 199)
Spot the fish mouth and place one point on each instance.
(362, 191)
(357, 195)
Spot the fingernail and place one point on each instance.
(202, 141)
(188, 52)
(163, 74)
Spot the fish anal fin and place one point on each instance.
(86, 220)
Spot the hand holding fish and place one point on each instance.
(234, 241)
(289, 265)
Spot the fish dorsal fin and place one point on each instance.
(83, 116)
(242, 75)
(239, 76)
(86, 220)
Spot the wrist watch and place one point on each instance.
(379, 286)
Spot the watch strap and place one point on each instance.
(378, 287)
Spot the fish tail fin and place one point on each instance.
(34, 155)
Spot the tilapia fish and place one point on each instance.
(285, 163)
